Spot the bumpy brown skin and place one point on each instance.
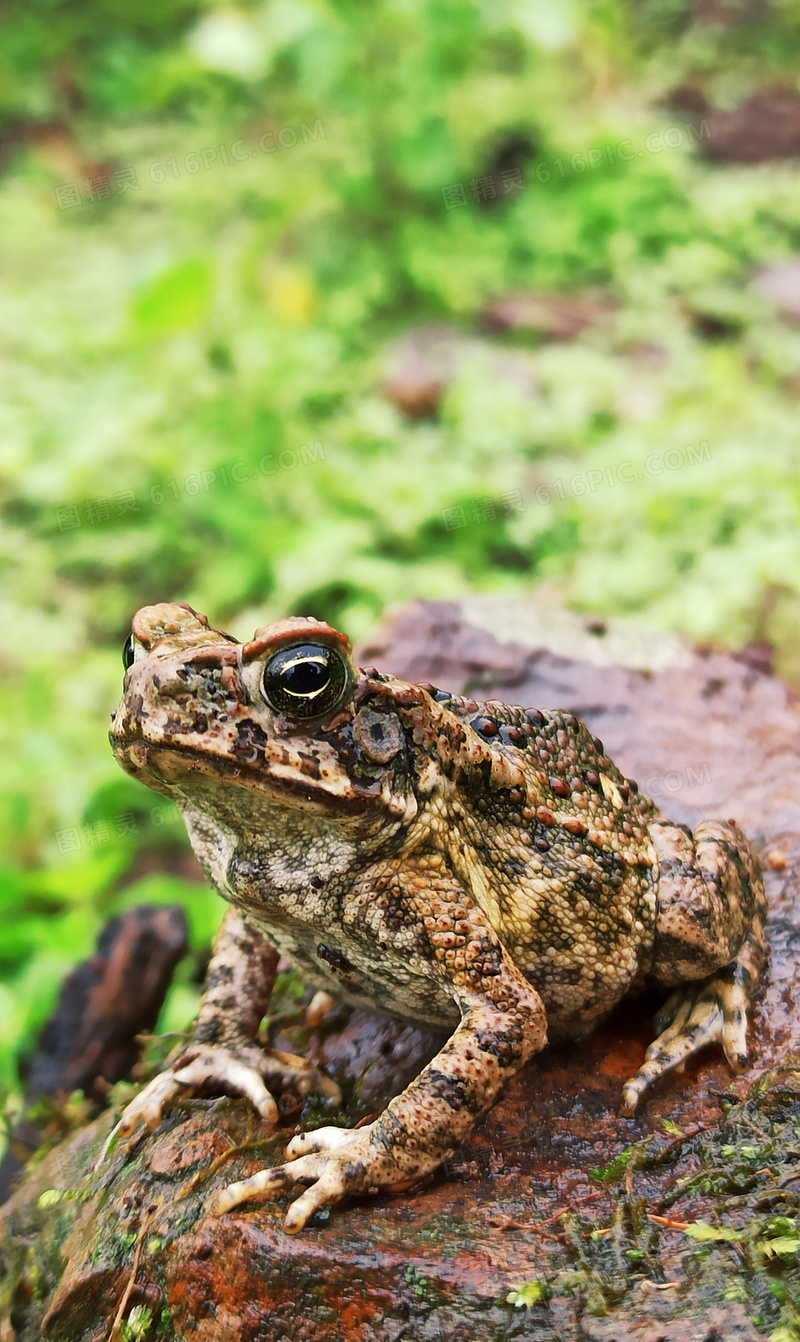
(485, 867)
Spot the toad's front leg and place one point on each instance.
(503, 1024)
(224, 1054)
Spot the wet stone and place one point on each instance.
(188, 1146)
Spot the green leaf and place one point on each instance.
(532, 1293)
(784, 1246)
(176, 300)
(619, 1164)
(137, 1324)
(737, 1291)
(52, 1196)
(702, 1230)
(744, 1152)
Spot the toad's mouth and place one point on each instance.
(183, 772)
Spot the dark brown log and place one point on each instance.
(104, 1004)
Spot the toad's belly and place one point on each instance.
(367, 977)
(382, 981)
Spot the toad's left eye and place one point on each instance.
(305, 681)
(127, 653)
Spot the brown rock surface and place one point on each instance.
(765, 127)
(780, 284)
(421, 366)
(545, 315)
(708, 735)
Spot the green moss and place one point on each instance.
(747, 1240)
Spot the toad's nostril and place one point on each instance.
(173, 682)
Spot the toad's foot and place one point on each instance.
(243, 1068)
(713, 1013)
(335, 1162)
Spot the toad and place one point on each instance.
(481, 868)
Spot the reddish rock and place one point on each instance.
(419, 369)
(765, 127)
(547, 316)
(422, 365)
(780, 284)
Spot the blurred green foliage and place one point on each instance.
(193, 403)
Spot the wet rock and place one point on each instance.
(108, 1000)
(521, 1202)
(765, 127)
(422, 365)
(688, 98)
(780, 284)
(543, 315)
(379, 1055)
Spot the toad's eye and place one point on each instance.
(305, 681)
(127, 653)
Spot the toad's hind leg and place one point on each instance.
(710, 927)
